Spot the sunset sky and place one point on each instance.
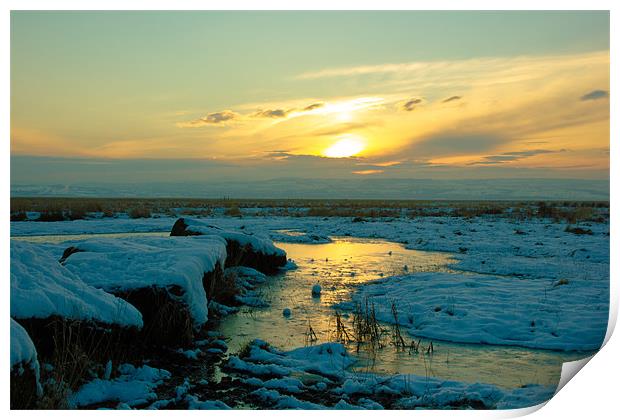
(186, 95)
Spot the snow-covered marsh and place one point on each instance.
(518, 285)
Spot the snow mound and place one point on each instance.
(243, 249)
(194, 403)
(22, 347)
(258, 244)
(285, 402)
(328, 359)
(495, 310)
(134, 386)
(25, 369)
(133, 263)
(41, 287)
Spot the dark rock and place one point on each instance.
(68, 252)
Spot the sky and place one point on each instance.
(191, 96)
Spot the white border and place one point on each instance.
(592, 394)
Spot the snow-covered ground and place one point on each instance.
(134, 263)
(133, 386)
(526, 248)
(540, 274)
(529, 283)
(256, 242)
(41, 287)
(485, 309)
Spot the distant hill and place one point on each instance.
(364, 188)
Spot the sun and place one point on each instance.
(345, 147)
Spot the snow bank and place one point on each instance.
(25, 370)
(23, 351)
(485, 309)
(134, 386)
(117, 265)
(41, 287)
(243, 249)
(198, 227)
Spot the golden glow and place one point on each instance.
(369, 172)
(499, 126)
(347, 146)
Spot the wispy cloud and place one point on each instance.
(451, 99)
(315, 105)
(272, 113)
(435, 66)
(411, 104)
(213, 118)
(489, 71)
(358, 71)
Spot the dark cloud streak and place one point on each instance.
(410, 105)
(595, 95)
(213, 118)
(451, 99)
(272, 113)
(514, 156)
(314, 106)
